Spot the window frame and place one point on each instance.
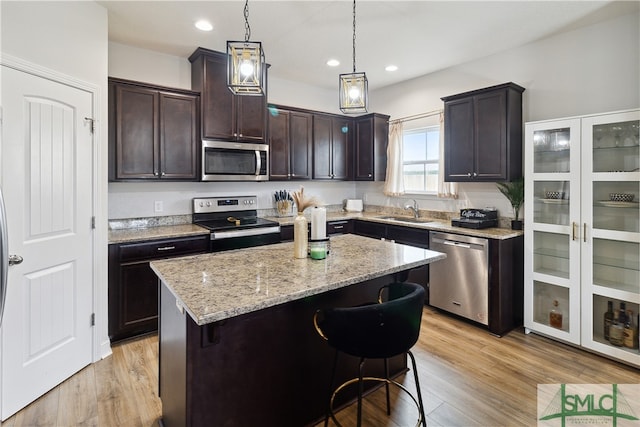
(424, 130)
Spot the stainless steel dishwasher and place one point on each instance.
(459, 284)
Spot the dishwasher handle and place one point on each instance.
(456, 244)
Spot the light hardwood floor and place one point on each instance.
(468, 378)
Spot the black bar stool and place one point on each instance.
(375, 331)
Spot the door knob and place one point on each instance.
(15, 259)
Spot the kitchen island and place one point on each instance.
(237, 342)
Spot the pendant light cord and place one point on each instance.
(247, 28)
(354, 36)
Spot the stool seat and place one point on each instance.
(377, 330)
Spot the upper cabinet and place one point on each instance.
(153, 132)
(483, 134)
(332, 142)
(226, 116)
(290, 144)
(372, 137)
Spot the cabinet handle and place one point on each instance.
(573, 230)
(338, 227)
(469, 174)
(162, 174)
(584, 232)
(167, 248)
(155, 173)
(369, 175)
(475, 174)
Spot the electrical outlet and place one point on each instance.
(157, 206)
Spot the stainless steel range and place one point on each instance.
(234, 222)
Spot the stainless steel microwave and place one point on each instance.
(234, 161)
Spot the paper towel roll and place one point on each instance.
(318, 223)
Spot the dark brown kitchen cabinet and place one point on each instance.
(226, 116)
(483, 134)
(332, 147)
(153, 132)
(290, 144)
(133, 286)
(372, 137)
(403, 235)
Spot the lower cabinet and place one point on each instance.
(133, 286)
(333, 228)
(403, 235)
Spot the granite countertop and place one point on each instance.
(220, 285)
(424, 224)
(150, 233)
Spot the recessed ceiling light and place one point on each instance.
(204, 25)
(333, 63)
(391, 68)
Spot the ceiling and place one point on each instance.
(420, 37)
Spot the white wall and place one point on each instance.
(70, 38)
(588, 70)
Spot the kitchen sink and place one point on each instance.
(407, 219)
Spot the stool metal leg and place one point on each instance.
(360, 390)
(386, 385)
(415, 376)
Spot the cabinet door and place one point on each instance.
(340, 143)
(610, 225)
(250, 118)
(138, 298)
(179, 136)
(137, 148)
(218, 108)
(491, 136)
(364, 160)
(552, 231)
(279, 145)
(301, 144)
(459, 140)
(322, 128)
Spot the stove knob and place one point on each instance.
(209, 204)
(201, 204)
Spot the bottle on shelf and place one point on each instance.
(555, 316)
(623, 313)
(616, 331)
(608, 318)
(630, 332)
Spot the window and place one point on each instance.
(420, 163)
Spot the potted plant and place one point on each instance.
(514, 192)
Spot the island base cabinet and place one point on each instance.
(266, 368)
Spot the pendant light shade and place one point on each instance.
(354, 93)
(354, 87)
(245, 66)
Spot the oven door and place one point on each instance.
(232, 161)
(246, 238)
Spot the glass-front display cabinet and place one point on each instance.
(582, 231)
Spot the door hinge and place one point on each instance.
(92, 123)
(93, 319)
(93, 222)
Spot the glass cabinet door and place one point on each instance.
(552, 216)
(611, 226)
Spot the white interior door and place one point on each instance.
(46, 161)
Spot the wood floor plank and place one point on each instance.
(78, 400)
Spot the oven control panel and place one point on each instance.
(224, 204)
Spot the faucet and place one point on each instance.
(413, 207)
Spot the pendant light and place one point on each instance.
(354, 86)
(245, 66)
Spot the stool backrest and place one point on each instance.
(378, 330)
